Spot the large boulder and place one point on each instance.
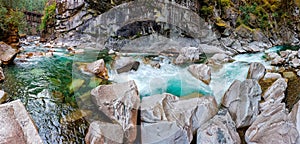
(2, 77)
(152, 107)
(256, 71)
(275, 93)
(201, 72)
(163, 132)
(189, 114)
(120, 102)
(101, 132)
(241, 100)
(7, 53)
(16, 124)
(219, 130)
(295, 117)
(98, 68)
(272, 125)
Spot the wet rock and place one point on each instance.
(219, 130)
(98, 68)
(3, 96)
(271, 76)
(241, 100)
(272, 125)
(188, 54)
(152, 107)
(16, 124)
(188, 114)
(220, 58)
(7, 53)
(100, 133)
(256, 71)
(126, 64)
(275, 93)
(120, 102)
(201, 72)
(2, 77)
(163, 133)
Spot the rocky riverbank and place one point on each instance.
(199, 119)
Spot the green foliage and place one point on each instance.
(206, 10)
(225, 3)
(49, 14)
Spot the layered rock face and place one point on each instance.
(188, 114)
(220, 129)
(120, 102)
(241, 100)
(16, 125)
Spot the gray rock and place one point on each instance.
(210, 50)
(298, 73)
(220, 58)
(130, 66)
(125, 64)
(201, 72)
(272, 55)
(120, 102)
(152, 107)
(256, 71)
(275, 93)
(278, 61)
(272, 125)
(241, 100)
(188, 54)
(295, 62)
(271, 76)
(96, 67)
(3, 96)
(101, 132)
(227, 41)
(294, 116)
(219, 130)
(163, 133)
(299, 53)
(2, 77)
(188, 114)
(285, 54)
(7, 53)
(238, 47)
(17, 125)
